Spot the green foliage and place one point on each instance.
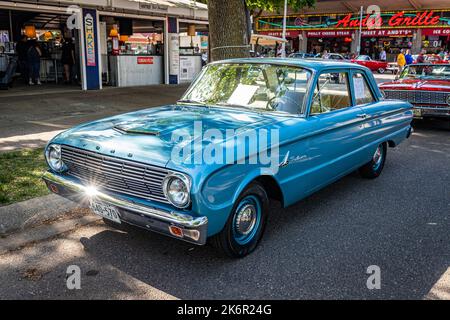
(275, 5)
(278, 5)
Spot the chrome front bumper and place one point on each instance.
(194, 229)
(429, 111)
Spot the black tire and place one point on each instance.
(225, 240)
(373, 168)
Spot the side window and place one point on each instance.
(331, 93)
(363, 93)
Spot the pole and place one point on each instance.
(360, 30)
(11, 36)
(283, 45)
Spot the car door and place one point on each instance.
(334, 146)
(379, 119)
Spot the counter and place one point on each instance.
(136, 70)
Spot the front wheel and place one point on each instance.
(373, 168)
(246, 223)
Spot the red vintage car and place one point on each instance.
(426, 86)
(373, 65)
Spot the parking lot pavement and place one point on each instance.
(30, 120)
(319, 248)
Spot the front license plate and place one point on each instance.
(105, 210)
(417, 112)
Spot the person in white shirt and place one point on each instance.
(383, 55)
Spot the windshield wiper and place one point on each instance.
(232, 105)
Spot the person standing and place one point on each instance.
(34, 55)
(401, 61)
(383, 55)
(22, 48)
(421, 57)
(408, 58)
(68, 59)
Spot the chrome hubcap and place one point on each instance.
(246, 219)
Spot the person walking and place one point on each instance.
(34, 55)
(68, 59)
(22, 49)
(401, 61)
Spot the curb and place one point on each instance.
(24, 214)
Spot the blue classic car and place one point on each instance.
(247, 131)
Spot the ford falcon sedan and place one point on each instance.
(246, 132)
(426, 86)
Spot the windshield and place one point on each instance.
(363, 58)
(258, 87)
(428, 71)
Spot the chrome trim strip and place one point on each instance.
(170, 217)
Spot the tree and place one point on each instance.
(229, 27)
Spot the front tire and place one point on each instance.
(246, 223)
(373, 168)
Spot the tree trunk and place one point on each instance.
(228, 25)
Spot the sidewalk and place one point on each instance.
(30, 120)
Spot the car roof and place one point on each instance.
(315, 64)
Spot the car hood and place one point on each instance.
(150, 135)
(417, 84)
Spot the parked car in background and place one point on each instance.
(374, 65)
(302, 55)
(334, 56)
(434, 59)
(426, 86)
(324, 120)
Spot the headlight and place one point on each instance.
(53, 157)
(176, 188)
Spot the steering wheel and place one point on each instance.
(276, 99)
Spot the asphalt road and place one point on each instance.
(319, 248)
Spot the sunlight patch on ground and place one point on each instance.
(441, 289)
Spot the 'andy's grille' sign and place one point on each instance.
(89, 36)
(351, 21)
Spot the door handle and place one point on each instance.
(362, 115)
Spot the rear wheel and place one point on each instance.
(373, 168)
(246, 223)
(381, 70)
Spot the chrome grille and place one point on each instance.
(114, 174)
(418, 97)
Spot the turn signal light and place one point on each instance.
(176, 231)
